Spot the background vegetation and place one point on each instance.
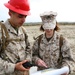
(39, 23)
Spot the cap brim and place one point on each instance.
(17, 10)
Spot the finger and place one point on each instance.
(43, 64)
(25, 61)
(25, 68)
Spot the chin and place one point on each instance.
(20, 24)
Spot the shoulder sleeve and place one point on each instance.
(5, 67)
(67, 55)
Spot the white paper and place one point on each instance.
(52, 72)
(33, 70)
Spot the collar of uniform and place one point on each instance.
(11, 29)
(52, 40)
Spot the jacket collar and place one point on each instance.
(11, 29)
(52, 40)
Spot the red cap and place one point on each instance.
(19, 6)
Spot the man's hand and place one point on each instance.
(20, 67)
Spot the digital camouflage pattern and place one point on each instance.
(16, 50)
(49, 52)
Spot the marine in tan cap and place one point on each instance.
(52, 50)
(14, 45)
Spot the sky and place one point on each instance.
(65, 10)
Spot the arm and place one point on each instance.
(36, 57)
(67, 55)
(6, 67)
(35, 52)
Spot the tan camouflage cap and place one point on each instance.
(50, 13)
(48, 19)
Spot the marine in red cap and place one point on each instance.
(14, 45)
(18, 11)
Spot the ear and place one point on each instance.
(9, 13)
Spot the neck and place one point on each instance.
(14, 26)
(49, 35)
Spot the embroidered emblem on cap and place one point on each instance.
(48, 19)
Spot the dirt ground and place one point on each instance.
(67, 30)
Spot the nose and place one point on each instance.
(23, 19)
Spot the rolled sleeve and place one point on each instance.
(6, 67)
(9, 68)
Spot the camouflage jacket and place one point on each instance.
(16, 50)
(49, 52)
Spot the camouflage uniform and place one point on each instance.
(49, 52)
(15, 51)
